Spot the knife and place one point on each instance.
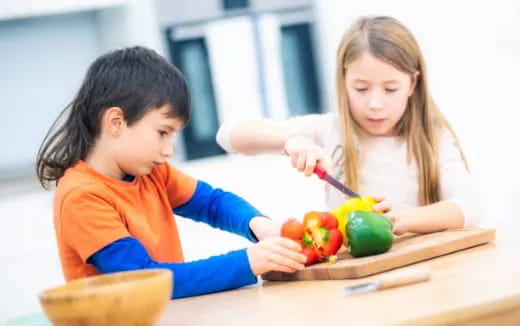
(322, 174)
(410, 276)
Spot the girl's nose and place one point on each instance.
(375, 102)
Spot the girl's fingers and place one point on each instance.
(300, 164)
(310, 163)
(391, 217)
(326, 163)
(382, 207)
(397, 230)
(294, 160)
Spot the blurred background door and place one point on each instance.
(191, 57)
(244, 62)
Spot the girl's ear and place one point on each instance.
(113, 120)
(414, 83)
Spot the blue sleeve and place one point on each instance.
(220, 209)
(218, 273)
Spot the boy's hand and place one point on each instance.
(275, 254)
(263, 227)
(305, 154)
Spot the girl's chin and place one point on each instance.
(380, 132)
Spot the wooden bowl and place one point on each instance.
(125, 298)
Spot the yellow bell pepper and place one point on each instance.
(353, 204)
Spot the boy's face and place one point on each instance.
(148, 142)
(377, 93)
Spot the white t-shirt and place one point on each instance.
(384, 169)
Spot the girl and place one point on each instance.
(116, 191)
(388, 138)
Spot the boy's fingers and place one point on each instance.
(283, 260)
(290, 249)
(280, 268)
(288, 243)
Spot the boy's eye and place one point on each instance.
(391, 90)
(163, 133)
(361, 89)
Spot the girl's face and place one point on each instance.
(377, 94)
(148, 142)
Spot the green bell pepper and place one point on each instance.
(368, 233)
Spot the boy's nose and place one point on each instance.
(167, 151)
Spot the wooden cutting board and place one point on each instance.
(407, 249)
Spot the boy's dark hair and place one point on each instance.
(135, 79)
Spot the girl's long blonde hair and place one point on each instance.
(390, 41)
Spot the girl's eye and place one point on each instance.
(391, 90)
(363, 89)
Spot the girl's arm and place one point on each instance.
(459, 206)
(458, 185)
(265, 135)
(253, 136)
(301, 138)
(440, 216)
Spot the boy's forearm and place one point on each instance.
(263, 227)
(220, 209)
(258, 136)
(440, 216)
(217, 273)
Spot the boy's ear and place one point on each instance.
(114, 120)
(414, 82)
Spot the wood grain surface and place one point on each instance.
(407, 249)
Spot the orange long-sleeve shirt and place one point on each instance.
(92, 210)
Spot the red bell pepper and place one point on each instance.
(318, 234)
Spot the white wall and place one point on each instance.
(181, 12)
(135, 23)
(471, 51)
(42, 62)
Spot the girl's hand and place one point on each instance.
(263, 227)
(305, 154)
(400, 226)
(383, 206)
(275, 254)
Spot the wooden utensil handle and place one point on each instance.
(410, 276)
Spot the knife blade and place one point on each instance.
(322, 174)
(410, 276)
